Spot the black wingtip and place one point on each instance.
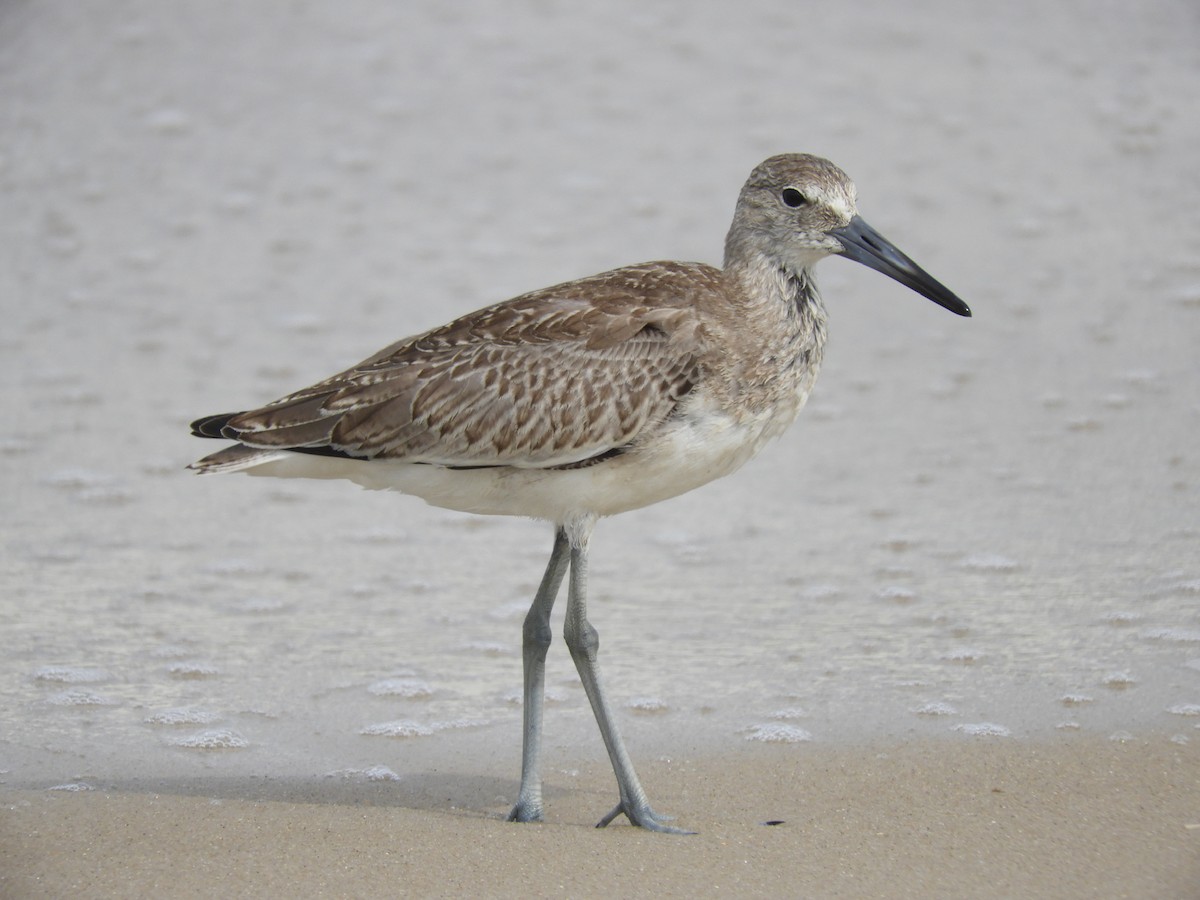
(212, 426)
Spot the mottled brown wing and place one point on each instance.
(551, 378)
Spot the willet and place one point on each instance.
(588, 399)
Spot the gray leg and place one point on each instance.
(584, 642)
(535, 643)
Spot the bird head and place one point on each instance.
(796, 209)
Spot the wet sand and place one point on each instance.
(1077, 817)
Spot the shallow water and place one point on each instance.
(979, 529)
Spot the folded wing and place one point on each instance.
(553, 378)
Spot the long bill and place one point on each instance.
(863, 244)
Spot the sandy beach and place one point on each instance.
(1073, 818)
(945, 631)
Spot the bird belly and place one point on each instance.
(683, 453)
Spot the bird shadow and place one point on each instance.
(447, 792)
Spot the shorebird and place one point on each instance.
(589, 399)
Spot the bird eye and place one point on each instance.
(793, 197)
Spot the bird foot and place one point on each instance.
(525, 812)
(644, 817)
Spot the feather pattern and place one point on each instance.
(552, 378)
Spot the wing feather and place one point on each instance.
(552, 378)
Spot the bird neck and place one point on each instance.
(764, 282)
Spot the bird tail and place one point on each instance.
(235, 459)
